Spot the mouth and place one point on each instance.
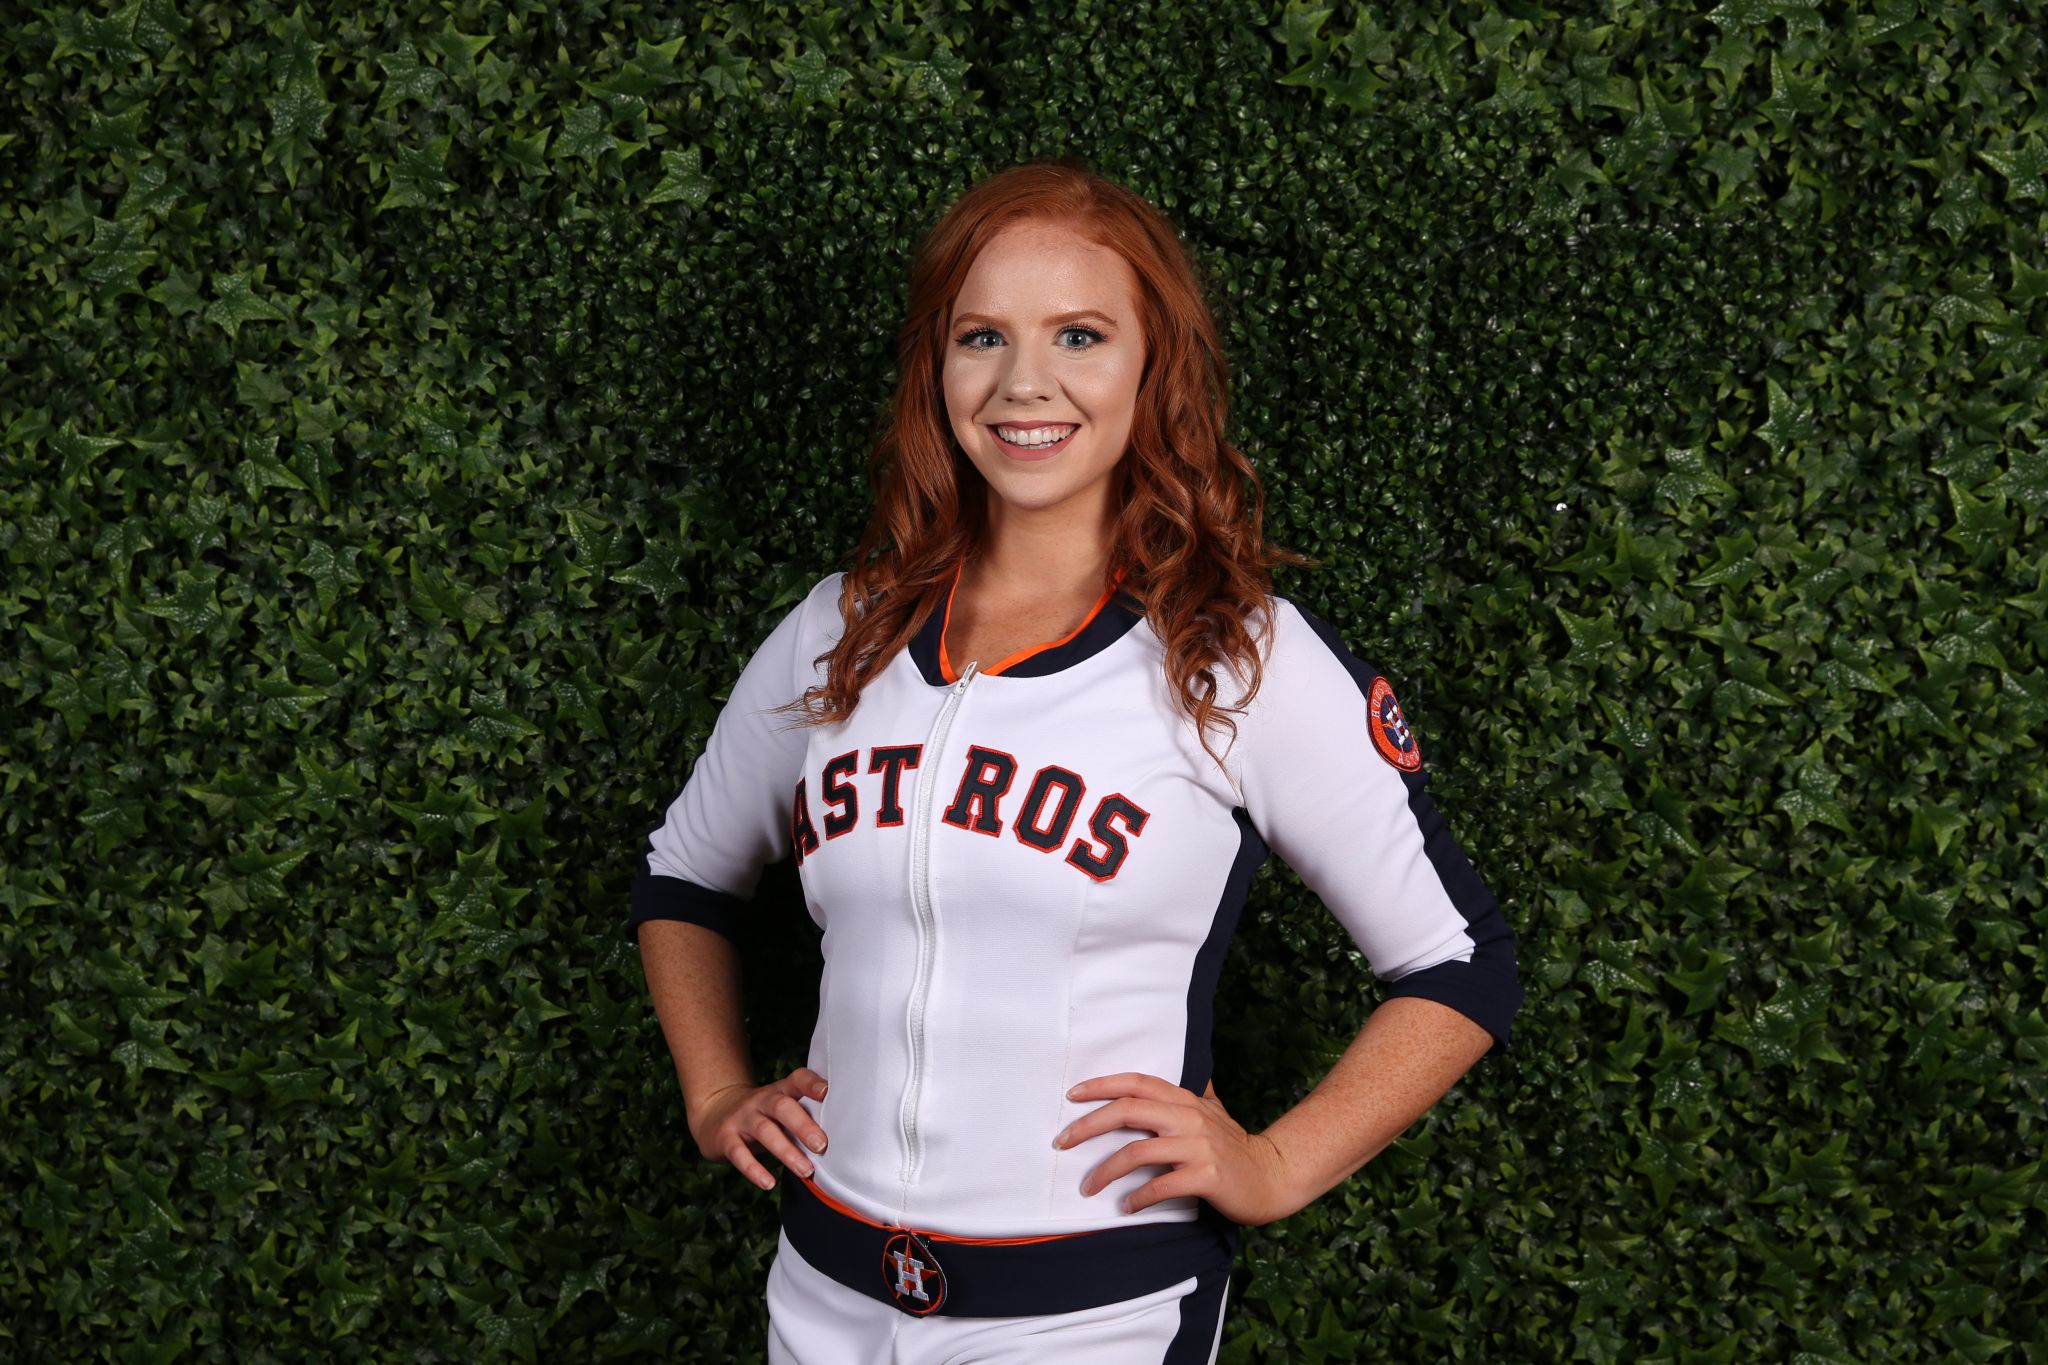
(1034, 452)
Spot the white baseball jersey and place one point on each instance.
(1027, 870)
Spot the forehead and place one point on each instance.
(1031, 271)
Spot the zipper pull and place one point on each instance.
(965, 674)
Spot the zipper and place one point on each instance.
(927, 925)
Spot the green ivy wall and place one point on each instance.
(414, 415)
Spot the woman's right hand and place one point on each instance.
(732, 1122)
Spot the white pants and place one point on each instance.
(815, 1320)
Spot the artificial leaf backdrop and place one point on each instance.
(414, 416)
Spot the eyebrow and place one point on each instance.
(1056, 318)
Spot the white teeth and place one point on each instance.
(1035, 437)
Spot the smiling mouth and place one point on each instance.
(1046, 448)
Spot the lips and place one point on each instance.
(1035, 452)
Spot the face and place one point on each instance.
(1044, 335)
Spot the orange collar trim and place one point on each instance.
(946, 668)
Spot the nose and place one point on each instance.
(1029, 374)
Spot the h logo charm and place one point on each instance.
(916, 1281)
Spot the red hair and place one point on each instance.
(1189, 546)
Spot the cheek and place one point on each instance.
(962, 401)
(1109, 398)
(959, 408)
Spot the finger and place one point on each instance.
(808, 1082)
(799, 1121)
(767, 1131)
(1182, 1180)
(1124, 1083)
(1102, 1119)
(1164, 1117)
(1130, 1156)
(743, 1162)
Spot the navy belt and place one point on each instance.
(923, 1273)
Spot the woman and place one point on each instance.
(987, 744)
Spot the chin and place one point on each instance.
(1027, 494)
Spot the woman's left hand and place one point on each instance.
(1242, 1174)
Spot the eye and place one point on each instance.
(966, 339)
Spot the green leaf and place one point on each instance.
(1332, 1342)
(235, 303)
(1811, 797)
(1689, 477)
(445, 815)
(1299, 24)
(407, 78)
(147, 1047)
(585, 133)
(299, 111)
(332, 571)
(260, 468)
(2025, 479)
(193, 605)
(658, 571)
(459, 50)
(283, 703)
(1594, 640)
(417, 176)
(1934, 825)
(1703, 984)
(681, 180)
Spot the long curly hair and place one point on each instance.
(1188, 540)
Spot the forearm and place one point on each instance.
(1408, 1054)
(693, 975)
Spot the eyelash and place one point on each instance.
(973, 332)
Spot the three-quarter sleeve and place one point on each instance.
(1332, 778)
(705, 855)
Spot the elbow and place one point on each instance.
(658, 896)
(1482, 984)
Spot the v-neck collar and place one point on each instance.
(1115, 612)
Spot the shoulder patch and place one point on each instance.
(1390, 732)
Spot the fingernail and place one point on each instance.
(767, 1182)
(1071, 1089)
(806, 1171)
(821, 1090)
(1061, 1140)
(817, 1144)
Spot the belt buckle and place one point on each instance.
(915, 1279)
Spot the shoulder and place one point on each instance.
(826, 591)
(814, 623)
(1324, 675)
(1314, 683)
(817, 613)
(1314, 642)
(1302, 654)
(806, 618)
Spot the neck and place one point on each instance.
(1041, 552)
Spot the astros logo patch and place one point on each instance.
(1390, 733)
(915, 1279)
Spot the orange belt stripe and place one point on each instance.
(837, 1207)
